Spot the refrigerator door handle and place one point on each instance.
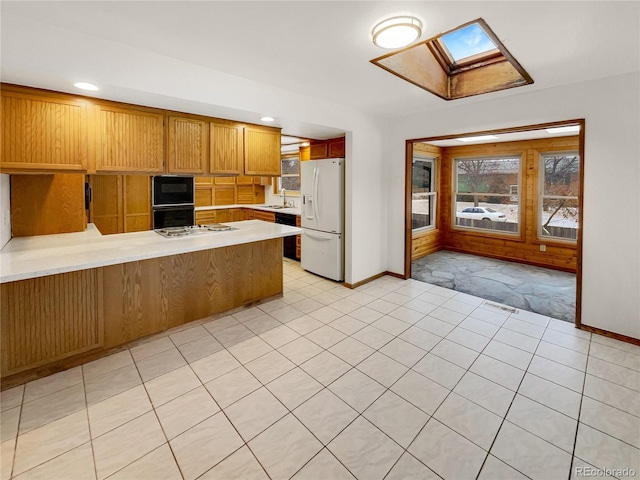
(318, 235)
(316, 176)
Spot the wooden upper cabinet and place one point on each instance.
(333, 148)
(226, 148)
(43, 133)
(336, 148)
(187, 143)
(318, 150)
(262, 151)
(129, 139)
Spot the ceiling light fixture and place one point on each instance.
(267, 119)
(567, 129)
(397, 32)
(86, 86)
(479, 138)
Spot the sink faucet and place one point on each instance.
(283, 192)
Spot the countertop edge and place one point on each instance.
(180, 246)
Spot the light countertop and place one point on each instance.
(289, 210)
(42, 255)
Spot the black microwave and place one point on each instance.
(172, 190)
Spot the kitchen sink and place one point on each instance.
(275, 207)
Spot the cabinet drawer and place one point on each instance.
(266, 216)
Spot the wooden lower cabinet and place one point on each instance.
(221, 215)
(56, 322)
(265, 216)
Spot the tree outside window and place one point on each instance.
(558, 215)
(290, 175)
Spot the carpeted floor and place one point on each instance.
(540, 290)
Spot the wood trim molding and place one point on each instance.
(444, 224)
(374, 277)
(607, 333)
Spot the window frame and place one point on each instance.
(516, 235)
(547, 239)
(277, 185)
(433, 194)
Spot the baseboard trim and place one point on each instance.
(374, 277)
(607, 333)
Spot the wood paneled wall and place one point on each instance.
(429, 241)
(47, 204)
(425, 243)
(49, 323)
(153, 295)
(524, 247)
(49, 318)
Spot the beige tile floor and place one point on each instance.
(395, 379)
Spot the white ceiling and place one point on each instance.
(319, 49)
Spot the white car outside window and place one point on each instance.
(482, 213)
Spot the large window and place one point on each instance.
(423, 195)
(290, 175)
(558, 199)
(486, 193)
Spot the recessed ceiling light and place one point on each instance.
(85, 86)
(567, 129)
(397, 32)
(479, 138)
(267, 119)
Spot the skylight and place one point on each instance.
(464, 61)
(467, 42)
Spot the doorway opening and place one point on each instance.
(513, 195)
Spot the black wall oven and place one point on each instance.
(173, 201)
(170, 190)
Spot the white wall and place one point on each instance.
(5, 209)
(611, 243)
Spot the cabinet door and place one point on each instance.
(224, 195)
(204, 217)
(265, 216)
(137, 203)
(43, 133)
(245, 194)
(242, 180)
(129, 140)
(336, 148)
(47, 204)
(223, 215)
(261, 151)
(187, 144)
(106, 205)
(318, 151)
(226, 148)
(204, 195)
(236, 214)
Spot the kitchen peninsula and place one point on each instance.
(66, 295)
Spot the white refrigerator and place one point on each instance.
(322, 219)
